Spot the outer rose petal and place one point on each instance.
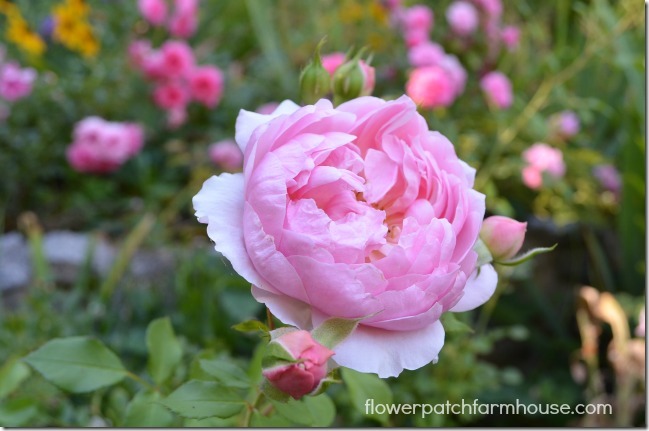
(219, 204)
(285, 308)
(388, 353)
(248, 121)
(478, 289)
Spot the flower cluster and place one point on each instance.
(177, 79)
(15, 83)
(438, 78)
(542, 158)
(101, 146)
(18, 31)
(181, 23)
(72, 29)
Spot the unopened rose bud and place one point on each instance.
(315, 82)
(300, 365)
(503, 236)
(350, 80)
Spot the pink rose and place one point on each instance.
(456, 71)
(418, 17)
(415, 36)
(206, 84)
(565, 124)
(493, 8)
(333, 61)
(510, 36)
(267, 108)
(503, 236)
(177, 59)
(227, 155)
(425, 54)
(102, 146)
(431, 87)
(304, 376)
(541, 158)
(154, 11)
(609, 177)
(171, 95)
(16, 82)
(138, 51)
(351, 212)
(176, 117)
(497, 89)
(185, 19)
(462, 16)
(153, 66)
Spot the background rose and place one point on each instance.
(351, 212)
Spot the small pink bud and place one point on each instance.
(503, 236)
(305, 374)
(227, 155)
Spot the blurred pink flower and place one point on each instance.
(497, 89)
(510, 36)
(425, 54)
(101, 146)
(415, 36)
(463, 17)
(267, 108)
(456, 71)
(177, 59)
(138, 51)
(176, 117)
(493, 8)
(152, 65)
(333, 61)
(227, 155)
(418, 17)
(16, 82)
(542, 158)
(609, 177)
(184, 21)
(154, 11)
(431, 87)
(640, 329)
(171, 95)
(206, 84)
(565, 124)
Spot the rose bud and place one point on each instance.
(315, 81)
(297, 365)
(503, 236)
(349, 81)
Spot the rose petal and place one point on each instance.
(220, 205)
(388, 353)
(479, 288)
(248, 121)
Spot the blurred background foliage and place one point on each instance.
(586, 56)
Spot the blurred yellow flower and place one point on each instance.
(72, 28)
(18, 31)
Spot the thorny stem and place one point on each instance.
(250, 408)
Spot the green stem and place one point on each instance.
(141, 381)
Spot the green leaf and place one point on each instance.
(77, 364)
(145, 410)
(309, 411)
(257, 420)
(452, 324)
(484, 255)
(12, 374)
(165, 351)
(276, 355)
(333, 331)
(526, 256)
(254, 326)
(197, 399)
(17, 412)
(226, 372)
(363, 387)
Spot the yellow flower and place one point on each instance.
(33, 45)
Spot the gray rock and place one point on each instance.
(15, 261)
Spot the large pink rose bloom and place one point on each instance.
(351, 212)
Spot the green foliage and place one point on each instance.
(198, 399)
(165, 351)
(367, 386)
(77, 364)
